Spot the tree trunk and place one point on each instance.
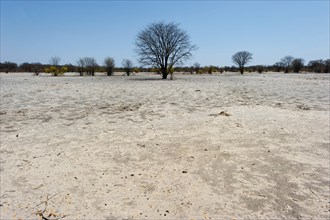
(241, 70)
(164, 73)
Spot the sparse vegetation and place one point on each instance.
(56, 71)
(89, 66)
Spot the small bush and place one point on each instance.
(56, 71)
(260, 69)
(136, 70)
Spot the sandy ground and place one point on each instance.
(198, 147)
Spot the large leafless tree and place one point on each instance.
(241, 59)
(163, 45)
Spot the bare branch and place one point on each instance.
(55, 61)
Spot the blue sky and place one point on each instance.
(34, 31)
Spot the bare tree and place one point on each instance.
(36, 68)
(163, 45)
(297, 64)
(109, 63)
(81, 66)
(241, 58)
(287, 63)
(55, 61)
(90, 65)
(197, 67)
(278, 66)
(317, 66)
(128, 65)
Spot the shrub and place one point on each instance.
(171, 71)
(56, 71)
(260, 68)
(136, 70)
(211, 69)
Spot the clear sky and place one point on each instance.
(34, 31)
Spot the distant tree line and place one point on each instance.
(84, 66)
(89, 67)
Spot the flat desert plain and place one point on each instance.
(226, 146)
